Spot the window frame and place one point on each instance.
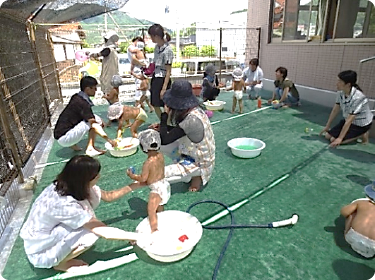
(322, 39)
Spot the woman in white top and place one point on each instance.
(62, 223)
(163, 58)
(355, 109)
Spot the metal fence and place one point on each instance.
(29, 88)
(234, 47)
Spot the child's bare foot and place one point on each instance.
(76, 148)
(241, 112)
(232, 112)
(64, 266)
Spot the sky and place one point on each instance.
(184, 12)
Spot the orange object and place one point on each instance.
(259, 102)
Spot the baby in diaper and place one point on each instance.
(360, 223)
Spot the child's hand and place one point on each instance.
(130, 173)
(112, 142)
(154, 126)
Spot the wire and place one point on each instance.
(233, 226)
(216, 270)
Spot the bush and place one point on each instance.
(191, 50)
(207, 51)
(149, 49)
(176, 64)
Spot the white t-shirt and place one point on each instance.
(251, 76)
(51, 214)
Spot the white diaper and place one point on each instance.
(163, 189)
(360, 243)
(146, 93)
(238, 94)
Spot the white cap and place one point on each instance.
(237, 74)
(111, 36)
(149, 140)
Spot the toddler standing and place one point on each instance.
(152, 175)
(238, 85)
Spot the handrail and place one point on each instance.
(360, 68)
(366, 59)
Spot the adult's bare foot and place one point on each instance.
(365, 138)
(64, 266)
(195, 184)
(76, 148)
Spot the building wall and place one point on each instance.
(310, 64)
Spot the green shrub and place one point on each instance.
(176, 64)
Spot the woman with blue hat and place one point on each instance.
(190, 140)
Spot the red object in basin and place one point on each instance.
(182, 238)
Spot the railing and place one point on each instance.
(365, 79)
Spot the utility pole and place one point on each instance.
(143, 33)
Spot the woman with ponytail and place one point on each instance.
(356, 112)
(163, 58)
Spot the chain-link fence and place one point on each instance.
(28, 89)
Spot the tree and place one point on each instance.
(190, 51)
(85, 44)
(207, 51)
(124, 46)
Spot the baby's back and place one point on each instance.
(130, 113)
(238, 85)
(140, 54)
(364, 220)
(156, 168)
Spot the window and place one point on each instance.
(322, 19)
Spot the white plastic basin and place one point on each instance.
(246, 147)
(124, 152)
(172, 225)
(214, 105)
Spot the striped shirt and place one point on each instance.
(162, 56)
(355, 104)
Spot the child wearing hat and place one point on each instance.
(124, 114)
(360, 223)
(112, 96)
(152, 175)
(238, 85)
(210, 85)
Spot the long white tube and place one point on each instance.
(239, 204)
(241, 115)
(292, 221)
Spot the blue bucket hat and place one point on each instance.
(180, 96)
(370, 190)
